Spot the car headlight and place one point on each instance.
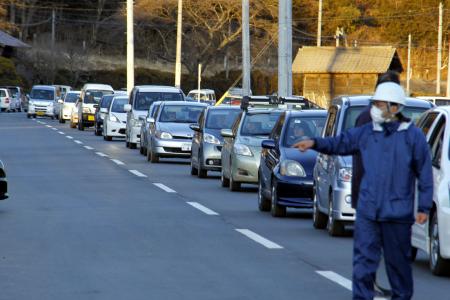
(292, 168)
(345, 174)
(86, 110)
(136, 122)
(113, 118)
(163, 135)
(50, 104)
(242, 149)
(211, 139)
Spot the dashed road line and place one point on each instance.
(88, 148)
(164, 188)
(60, 132)
(78, 142)
(53, 128)
(259, 239)
(203, 209)
(101, 154)
(137, 173)
(118, 162)
(336, 278)
(48, 126)
(69, 137)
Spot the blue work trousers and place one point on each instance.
(394, 239)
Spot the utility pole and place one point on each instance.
(448, 71)
(408, 74)
(284, 48)
(319, 25)
(179, 35)
(53, 43)
(439, 54)
(199, 81)
(246, 67)
(130, 46)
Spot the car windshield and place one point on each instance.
(414, 113)
(153, 109)
(94, 96)
(180, 113)
(442, 102)
(259, 124)
(13, 92)
(221, 118)
(144, 100)
(300, 128)
(118, 104)
(42, 94)
(106, 101)
(71, 97)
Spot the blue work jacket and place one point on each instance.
(392, 163)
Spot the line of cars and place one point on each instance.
(252, 145)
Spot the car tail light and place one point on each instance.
(6, 100)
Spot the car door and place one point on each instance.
(197, 139)
(270, 157)
(428, 124)
(229, 144)
(322, 174)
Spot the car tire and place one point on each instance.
(52, 117)
(97, 131)
(234, 186)
(153, 157)
(334, 227)
(72, 125)
(414, 251)
(225, 182)
(276, 210)
(263, 202)
(108, 138)
(133, 146)
(438, 265)
(127, 144)
(194, 170)
(28, 116)
(80, 126)
(61, 120)
(202, 173)
(319, 218)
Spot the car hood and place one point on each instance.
(138, 113)
(216, 133)
(41, 102)
(176, 129)
(307, 159)
(252, 141)
(121, 116)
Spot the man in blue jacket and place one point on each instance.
(394, 154)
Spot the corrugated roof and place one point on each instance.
(7, 40)
(343, 60)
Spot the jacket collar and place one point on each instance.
(403, 126)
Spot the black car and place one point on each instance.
(285, 173)
(3, 183)
(100, 111)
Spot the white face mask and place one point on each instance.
(377, 115)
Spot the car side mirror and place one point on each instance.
(127, 107)
(104, 110)
(268, 144)
(195, 127)
(142, 118)
(60, 101)
(150, 120)
(95, 105)
(227, 133)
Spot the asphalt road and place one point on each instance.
(89, 219)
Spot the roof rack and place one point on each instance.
(295, 102)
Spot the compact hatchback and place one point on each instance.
(115, 120)
(152, 111)
(286, 174)
(5, 100)
(207, 142)
(67, 106)
(433, 237)
(332, 173)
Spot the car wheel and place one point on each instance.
(133, 145)
(108, 138)
(153, 157)
(28, 116)
(202, 173)
(276, 210)
(97, 131)
(72, 125)
(80, 126)
(194, 170)
(234, 186)
(334, 227)
(413, 253)
(61, 120)
(127, 144)
(438, 265)
(52, 117)
(225, 182)
(263, 202)
(319, 218)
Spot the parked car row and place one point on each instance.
(253, 145)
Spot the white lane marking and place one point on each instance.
(78, 142)
(88, 147)
(53, 128)
(164, 188)
(48, 126)
(336, 278)
(60, 132)
(203, 208)
(137, 173)
(101, 154)
(69, 137)
(259, 239)
(117, 162)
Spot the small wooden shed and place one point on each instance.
(322, 73)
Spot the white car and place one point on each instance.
(5, 100)
(67, 106)
(42, 100)
(115, 121)
(433, 237)
(90, 97)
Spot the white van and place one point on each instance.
(203, 95)
(141, 98)
(90, 97)
(5, 100)
(41, 102)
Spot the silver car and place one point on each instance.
(170, 134)
(207, 142)
(146, 126)
(333, 173)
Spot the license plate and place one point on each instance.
(91, 118)
(186, 147)
(40, 113)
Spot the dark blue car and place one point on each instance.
(285, 173)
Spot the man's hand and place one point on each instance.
(304, 145)
(421, 218)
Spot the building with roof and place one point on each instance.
(8, 43)
(322, 73)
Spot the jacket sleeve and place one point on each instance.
(424, 172)
(344, 144)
